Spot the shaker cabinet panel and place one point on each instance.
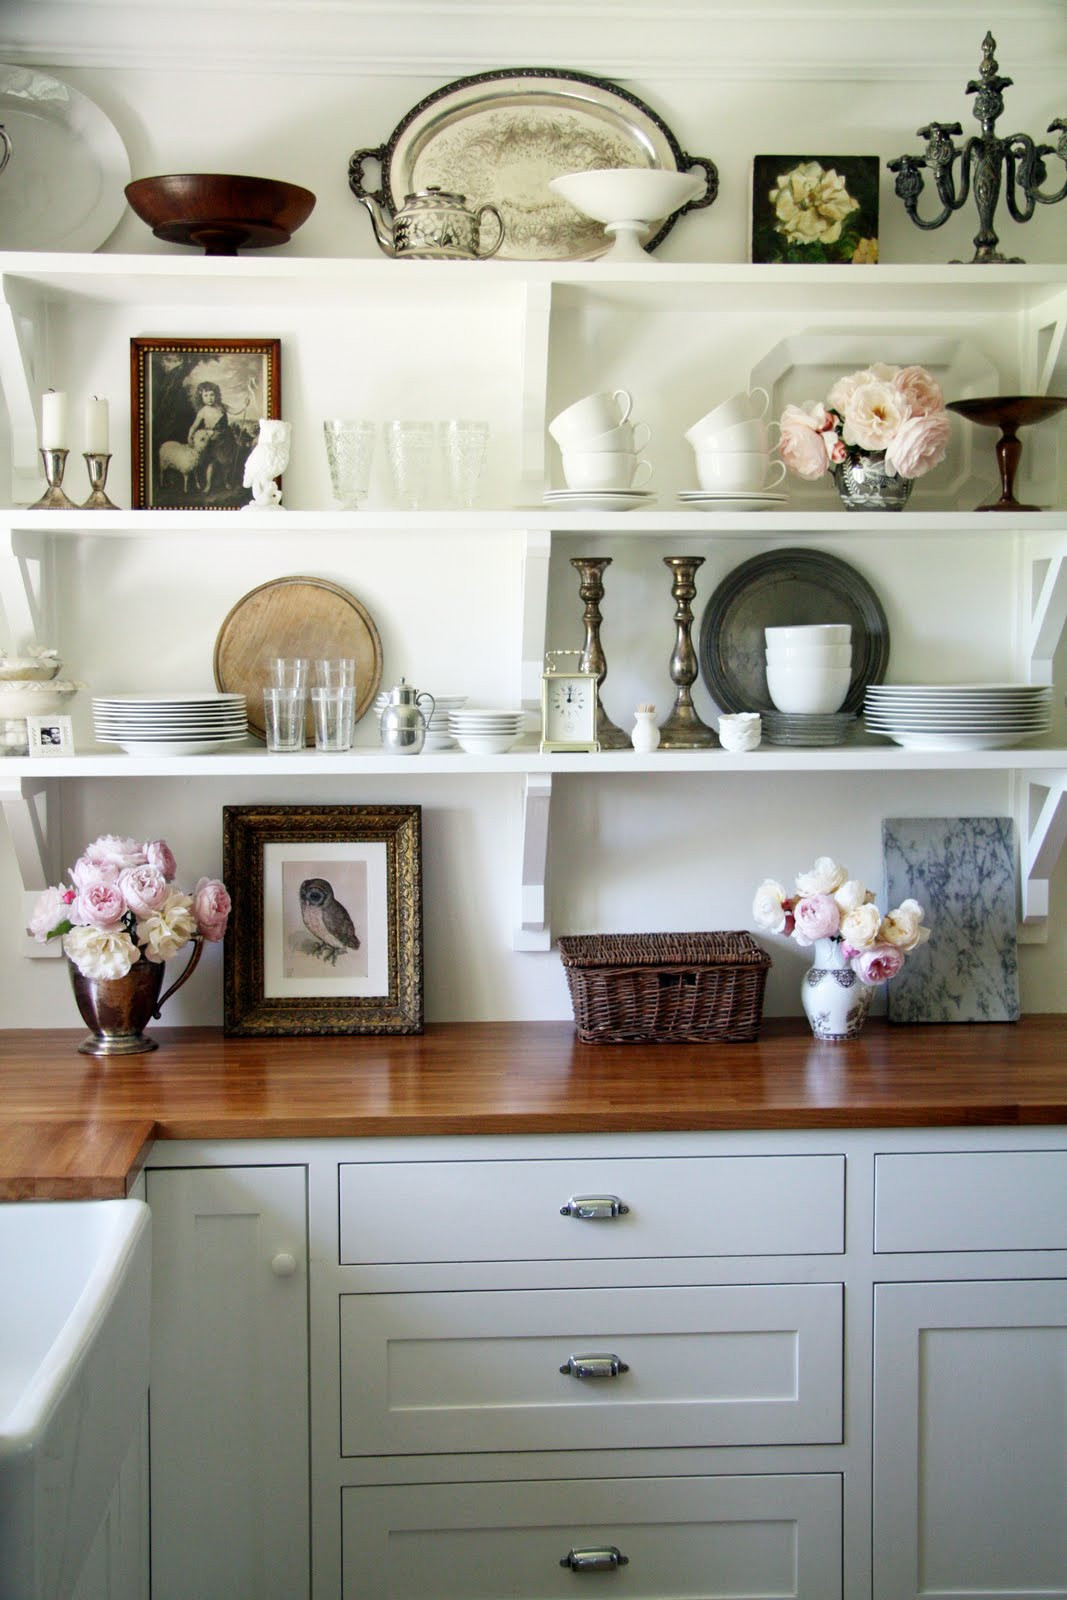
(595, 1368)
(973, 1200)
(424, 1211)
(229, 1385)
(970, 1419)
(654, 1539)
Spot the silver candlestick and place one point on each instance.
(53, 499)
(590, 569)
(96, 464)
(683, 729)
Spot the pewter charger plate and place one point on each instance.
(499, 136)
(779, 588)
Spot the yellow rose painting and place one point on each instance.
(815, 208)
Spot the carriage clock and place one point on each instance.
(568, 704)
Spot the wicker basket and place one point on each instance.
(665, 987)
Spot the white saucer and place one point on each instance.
(717, 501)
(598, 499)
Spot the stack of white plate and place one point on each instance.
(170, 724)
(437, 734)
(957, 716)
(483, 731)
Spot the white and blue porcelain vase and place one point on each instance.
(835, 999)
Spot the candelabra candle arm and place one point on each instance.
(909, 185)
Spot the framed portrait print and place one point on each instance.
(325, 934)
(195, 410)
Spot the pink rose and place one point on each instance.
(801, 444)
(157, 853)
(873, 415)
(878, 964)
(86, 870)
(109, 851)
(101, 905)
(920, 390)
(211, 908)
(817, 916)
(920, 444)
(50, 910)
(145, 889)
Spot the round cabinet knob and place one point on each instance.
(283, 1265)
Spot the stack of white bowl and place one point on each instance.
(732, 444)
(599, 444)
(486, 731)
(809, 667)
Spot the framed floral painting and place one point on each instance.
(325, 931)
(815, 208)
(195, 410)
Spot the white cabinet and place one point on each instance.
(229, 1395)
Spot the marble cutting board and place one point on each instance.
(962, 872)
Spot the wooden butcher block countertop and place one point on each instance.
(74, 1126)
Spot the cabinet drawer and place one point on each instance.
(423, 1211)
(976, 1200)
(774, 1535)
(722, 1365)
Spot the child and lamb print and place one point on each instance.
(197, 407)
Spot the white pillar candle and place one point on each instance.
(96, 426)
(53, 420)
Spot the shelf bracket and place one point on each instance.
(533, 932)
(32, 812)
(21, 360)
(1042, 836)
(1048, 617)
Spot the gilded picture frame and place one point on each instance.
(325, 934)
(195, 410)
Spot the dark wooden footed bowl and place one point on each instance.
(220, 212)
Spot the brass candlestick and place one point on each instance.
(591, 591)
(96, 464)
(683, 729)
(53, 499)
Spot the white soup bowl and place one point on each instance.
(809, 655)
(809, 633)
(808, 690)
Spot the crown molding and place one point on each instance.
(835, 40)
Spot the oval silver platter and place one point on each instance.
(498, 137)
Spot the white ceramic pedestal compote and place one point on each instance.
(631, 202)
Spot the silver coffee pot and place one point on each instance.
(403, 723)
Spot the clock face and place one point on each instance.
(570, 703)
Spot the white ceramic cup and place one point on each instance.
(808, 690)
(592, 414)
(627, 436)
(809, 655)
(739, 407)
(809, 633)
(605, 469)
(755, 434)
(738, 471)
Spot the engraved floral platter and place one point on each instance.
(499, 137)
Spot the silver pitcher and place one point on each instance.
(432, 225)
(403, 724)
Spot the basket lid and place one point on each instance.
(716, 948)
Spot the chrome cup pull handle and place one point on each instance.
(593, 1366)
(604, 1558)
(594, 1207)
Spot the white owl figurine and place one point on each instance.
(268, 460)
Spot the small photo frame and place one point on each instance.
(815, 209)
(325, 934)
(50, 736)
(195, 410)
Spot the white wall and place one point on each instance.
(626, 853)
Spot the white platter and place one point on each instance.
(805, 366)
(64, 187)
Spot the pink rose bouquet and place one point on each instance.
(896, 414)
(828, 904)
(122, 906)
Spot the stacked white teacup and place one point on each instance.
(599, 444)
(809, 667)
(732, 444)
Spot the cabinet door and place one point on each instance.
(970, 1418)
(229, 1384)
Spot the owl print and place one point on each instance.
(327, 920)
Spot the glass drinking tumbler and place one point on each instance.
(349, 452)
(463, 447)
(335, 717)
(283, 716)
(411, 448)
(289, 672)
(336, 672)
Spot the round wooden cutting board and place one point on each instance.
(295, 617)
